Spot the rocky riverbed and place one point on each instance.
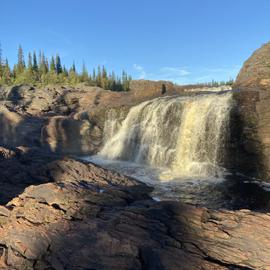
(58, 212)
(76, 215)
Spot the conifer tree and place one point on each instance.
(94, 75)
(65, 72)
(30, 62)
(98, 79)
(47, 64)
(58, 64)
(1, 59)
(21, 63)
(6, 78)
(35, 63)
(84, 75)
(73, 67)
(1, 62)
(43, 69)
(52, 65)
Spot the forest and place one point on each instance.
(41, 70)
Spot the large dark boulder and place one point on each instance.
(253, 99)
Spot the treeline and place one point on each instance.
(214, 83)
(41, 70)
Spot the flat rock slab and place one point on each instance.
(84, 217)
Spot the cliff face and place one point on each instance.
(252, 95)
(66, 119)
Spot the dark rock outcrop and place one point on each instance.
(80, 216)
(252, 94)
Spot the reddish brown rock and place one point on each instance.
(80, 216)
(67, 119)
(253, 92)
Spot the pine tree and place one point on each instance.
(94, 75)
(6, 78)
(35, 63)
(30, 62)
(73, 67)
(84, 75)
(1, 62)
(58, 64)
(98, 78)
(47, 64)
(1, 59)
(104, 78)
(52, 65)
(21, 63)
(43, 69)
(65, 72)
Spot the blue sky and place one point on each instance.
(180, 40)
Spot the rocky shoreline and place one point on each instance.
(58, 212)
(75, 215)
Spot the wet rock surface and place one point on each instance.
(74, 215)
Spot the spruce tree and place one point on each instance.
(98, 78)
(94, 75)
(73, 67)
(58, 64)
(21, 63)
(30, 62)
(1, 59)
(65, 72)
(84, 75)
(35, 63)
(1, 62)
(7, 75)
(52, 65)
(47, 64)
(43, 69)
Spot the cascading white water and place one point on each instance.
(184, 134)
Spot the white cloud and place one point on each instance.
(222, 73)
(140, 71)
(187, 75)
(174, 74)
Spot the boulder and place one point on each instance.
(252, 93)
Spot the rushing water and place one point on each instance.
(178, 145)
(185, 135)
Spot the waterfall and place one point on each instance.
(183, 134)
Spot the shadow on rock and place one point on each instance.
(92, 218)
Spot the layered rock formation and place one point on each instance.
(252, 94)
(66, 119)
(85, 217)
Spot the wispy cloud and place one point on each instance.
(187, 75)
(222, 73)
(141, 74)
(174, 74)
